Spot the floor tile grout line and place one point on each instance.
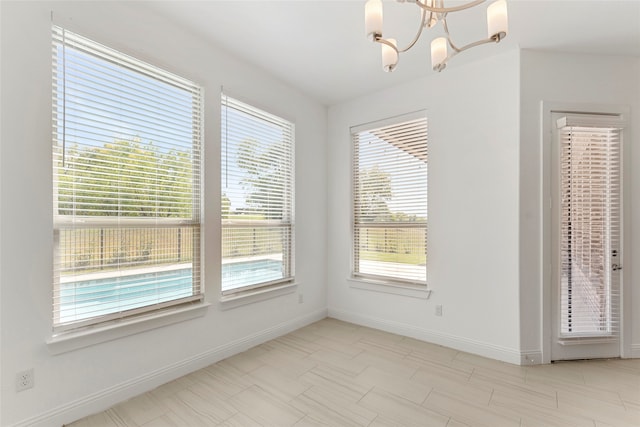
(427, 397)
(424, 370)
(493, 390)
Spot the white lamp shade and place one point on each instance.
(373, 18)
(497, 20)
(389, 56)
(438, 51)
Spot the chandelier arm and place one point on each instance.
(496, 38)
(432, 12)
(478, 43)
(446, 31)
(457, 50)
(415, 39)
(449, 9)
(379, 39)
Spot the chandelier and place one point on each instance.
(432, 12)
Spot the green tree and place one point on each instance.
(125, 178)
(374, 193)
(266, 177)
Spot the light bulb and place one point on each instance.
(373, 19)
(497, 20)
(438, 53)
(389, 56)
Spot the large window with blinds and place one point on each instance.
(126, 185)
(390, 200)
(257, 179)
(590, 249)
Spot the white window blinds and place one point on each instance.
(257, 167)
(590, 225)
(390, 200)
(126, 180)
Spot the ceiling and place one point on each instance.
(319, 46)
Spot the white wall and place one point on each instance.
(76, 383)
(582, 79)
(473, 115)
(485, 207)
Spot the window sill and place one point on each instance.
(73, 340)
(587, 340)
(228, 302)
(412, 291)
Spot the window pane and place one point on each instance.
(390, 201)
(590, 188)
(126, 178)
(108, 270)
(397, 252)
(257, 197)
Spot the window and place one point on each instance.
(126, 180)
(257, 198)
(390, 200)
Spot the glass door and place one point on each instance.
(586, 230)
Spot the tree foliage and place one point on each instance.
(125, 178)
(374, 193)
(266, 175)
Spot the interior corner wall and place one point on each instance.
(575, 79)
(473, 211)
(77, 383)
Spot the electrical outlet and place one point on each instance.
(300, 298)
(438, 310)
(24, 380)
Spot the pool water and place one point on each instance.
(240, 274)
(106, 295)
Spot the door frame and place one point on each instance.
(546, 134)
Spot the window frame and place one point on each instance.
(280, 285)
(378, 282)
(177, 306)
(590, 143)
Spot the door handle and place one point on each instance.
(616, 267)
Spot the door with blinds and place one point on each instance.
(587, 259)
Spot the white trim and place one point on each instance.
(103, 332)
(413, 291)
(110, 396)
(528, 358)
(587, 340)
(255, 295)
(492, 351)
(389, 121)
(635, 351)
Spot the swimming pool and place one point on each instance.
(84, 299)
(247, 273)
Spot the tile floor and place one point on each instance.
(334, 373)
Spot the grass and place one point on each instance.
(415, 258)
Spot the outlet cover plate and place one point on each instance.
(24, 380)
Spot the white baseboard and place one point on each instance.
(531, 357)
(635, 351)
(492, 351)
(106, 398)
